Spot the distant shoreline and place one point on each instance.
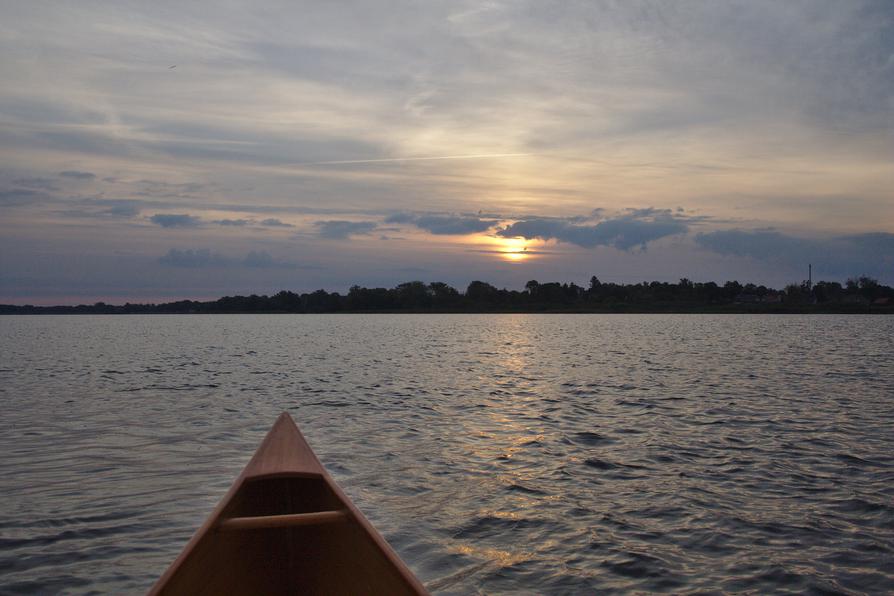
(858, 296)
(619, 309)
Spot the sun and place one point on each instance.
(513, 250)
(509, 250)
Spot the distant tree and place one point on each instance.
(869, 287)
(795, 293)
(284, 301)
(321, 301)
(479, 291)
(443, 294)
(827, 291)
(709, 292)
(371, 299)
(551, 292)
(731, 289)
(413, 294)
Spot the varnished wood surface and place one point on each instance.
(285, 527)
(284, 451)
(282, 521)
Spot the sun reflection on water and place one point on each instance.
(504, 558)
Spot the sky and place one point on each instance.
(152, 151)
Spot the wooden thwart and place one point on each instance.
(282, 521)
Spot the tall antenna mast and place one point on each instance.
(809, 276)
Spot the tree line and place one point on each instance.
(856, 295)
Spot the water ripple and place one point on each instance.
(548, 454)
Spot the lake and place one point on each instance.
(539, 454)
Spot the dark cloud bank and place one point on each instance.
(636, 228)
(871, 253)
(842, 255)
(443, 224)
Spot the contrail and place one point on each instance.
(393, 159)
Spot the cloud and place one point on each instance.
(122, 209)
(263, 260)
(77, 175)
(98, 208)
(175, 220)
(340, 229)
(635, 228)
(204, 258)
(36, 182)
(437, 224)
(443, 224)
(157, 188)
(401, 217)
(272, 222)
(17, 197)
(194, 259)
(839, 255)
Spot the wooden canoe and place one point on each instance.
(285, 527)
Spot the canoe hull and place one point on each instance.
(285, 527)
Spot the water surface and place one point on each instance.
(541, 454)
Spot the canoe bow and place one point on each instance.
(286, 527)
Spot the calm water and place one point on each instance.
(547, 454)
